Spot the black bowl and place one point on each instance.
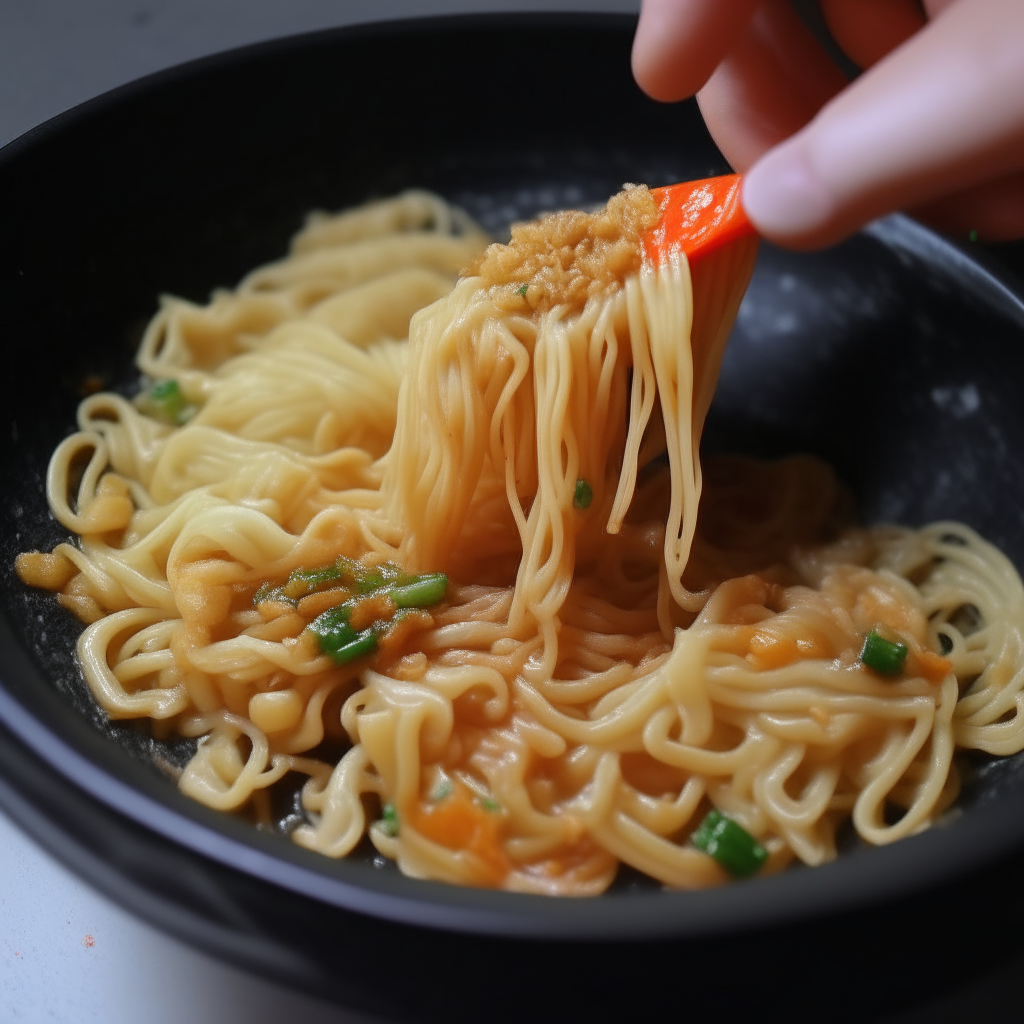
(895, 356)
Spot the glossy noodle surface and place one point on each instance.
(443, 546)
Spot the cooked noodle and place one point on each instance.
(597, 677)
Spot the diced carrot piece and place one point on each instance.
(932, 666)
(458, 822)
(767, 650)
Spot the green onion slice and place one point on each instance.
(522, 290)
(365, 580)
(884, 656)
(364, 643)
(332, 629)
(730, 844)
(348, 573)
(338, 639)
(421, 591)
(304, 581)
(165, 401)
(583, 494)
(389, 820)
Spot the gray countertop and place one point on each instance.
(57, 53)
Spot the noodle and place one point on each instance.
(624, 643)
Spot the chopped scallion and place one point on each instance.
(333, 631)
(489, 804)
(583, 495)
(363, 644)
(522, 290)
(884, 656)
(365, 580)
(304, 581)
(730, 844)
(165, 401)
(389, 820)
(421, 591)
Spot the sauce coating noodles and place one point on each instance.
(623, 643)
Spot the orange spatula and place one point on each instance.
(697, 218)
(706, 221)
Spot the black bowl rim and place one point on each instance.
(854, 881)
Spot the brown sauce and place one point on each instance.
(566, 258)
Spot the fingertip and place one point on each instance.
(655, 46)
(787, 201)
(678, 43)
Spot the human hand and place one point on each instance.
(934, 125)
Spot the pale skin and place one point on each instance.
(934, 125)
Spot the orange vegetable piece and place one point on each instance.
(926, 663)
(697, 217)
(768, 650)
(458, 822)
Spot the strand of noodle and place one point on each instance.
(453, 682)
(150, 638)
(698, 760)
(582, 691)
(342, 821)
(134, 441)
(93, 646)
(201, 781)
(309, 733)
(662, 816)
(58, 476)
(246, 658)
(889, 766)
(506, 426)
(142, 665)
(797, 819)
(668, 307)
(248, 537)
(304, 275)
(731, 673)
(412, 210)
(542, 581)
(643, 390)
(801, 699)
(682, 867)
(621, 726)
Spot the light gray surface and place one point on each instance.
(69, 956)
(56, 53)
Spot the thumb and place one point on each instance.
(941, 113)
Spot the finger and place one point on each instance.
(991, 212)
(868, 29)
(679, 42)
(769, 86)
(933, 8)
(943, 112)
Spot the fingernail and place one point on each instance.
(783, 196)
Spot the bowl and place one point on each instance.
(895, 356)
